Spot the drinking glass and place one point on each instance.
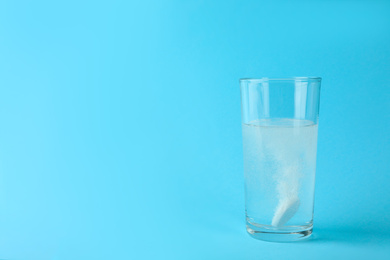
(279, 128)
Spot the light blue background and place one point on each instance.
(120, 131)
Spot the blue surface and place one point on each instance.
(120, 131)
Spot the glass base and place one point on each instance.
(272, 234)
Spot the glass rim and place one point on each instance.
(265, 79)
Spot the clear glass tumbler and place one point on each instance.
(279, 128)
